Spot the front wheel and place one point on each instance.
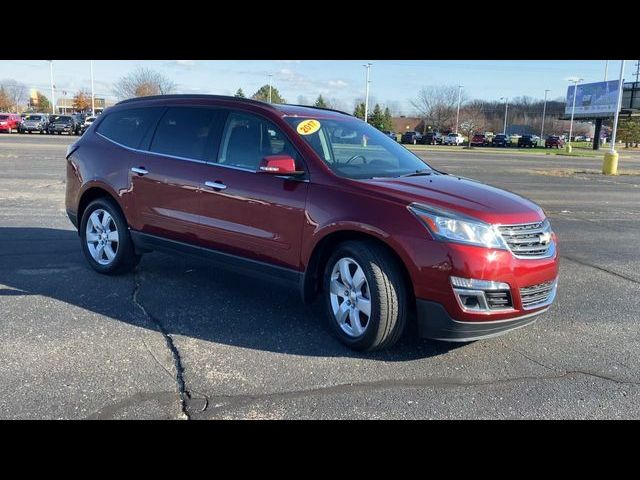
(105, 238)
(365, 296)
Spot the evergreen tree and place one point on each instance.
(263, 95)
(320, 102)
(388, 120)
(377, 119)
(358, 112)
(239, 94)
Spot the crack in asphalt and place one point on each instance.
(602, 269)
(224, 403)
(183, 393)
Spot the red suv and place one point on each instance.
(286, 193)
(479, 140)
(9, 122)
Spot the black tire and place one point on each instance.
(126, 258)
(387, 291)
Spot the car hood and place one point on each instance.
(462, 195)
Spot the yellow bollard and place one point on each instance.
(610, 163)
(567, 148)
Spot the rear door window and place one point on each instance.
(128, 127)
(188, 132)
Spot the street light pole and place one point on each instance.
(610, 163)
(366, 95)
(544, 111)
(458, 111)
(53, 97)
(606, 68)
(93, 97)
(573, 108)
(270, 75)
(506, 110)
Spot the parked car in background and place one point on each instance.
(64, 124)
(500, 140)
(554, 141)
(530, 141)
(513, 139)
(411, 137)
(87, 123)
(479, 140)
(391, 135)
(370, 228)
(9, 122)
(79, 119)
(431, 138)
(453, 139)
(35, 122)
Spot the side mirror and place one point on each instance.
(278, 165)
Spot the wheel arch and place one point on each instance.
(312, 279)
(92, 193)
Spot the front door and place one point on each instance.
(255, 215)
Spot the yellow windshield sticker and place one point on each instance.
(308, 127)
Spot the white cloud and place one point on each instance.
(338, 83)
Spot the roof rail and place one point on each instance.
(319, 108)
(195, 96)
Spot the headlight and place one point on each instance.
(452, 227)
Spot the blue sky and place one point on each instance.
(393, 82)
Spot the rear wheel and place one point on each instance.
(105, 238)
(365, 296)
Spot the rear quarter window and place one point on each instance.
(128, 127)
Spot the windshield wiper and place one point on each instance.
(418, 173)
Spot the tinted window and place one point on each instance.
(129, 126)
(4, 117)
(185, 131)
(34, 117)
(248, 139)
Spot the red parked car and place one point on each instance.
(9, 122)
(283, 192)
(479, 140)
(554, 141)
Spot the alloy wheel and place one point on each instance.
(350, 297)
(102, 237)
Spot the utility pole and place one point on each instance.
(53, 97)
(573, 108)
(606, 67)
(610, 163)
(366, 95)
(544, 111)
(93, 97)
(270, 75)
(458, 111)
(637, 74)
(506, 110)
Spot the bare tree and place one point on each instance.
(143, 82)
(438, 104)
(16, 93)
(472, 121)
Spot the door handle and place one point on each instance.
(216, 185)
(139, 170)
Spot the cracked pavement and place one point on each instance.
(180, 339)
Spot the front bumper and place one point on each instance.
(435, 323)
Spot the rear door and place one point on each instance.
(167, 184)
(255, 215)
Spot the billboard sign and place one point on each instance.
(593, 99)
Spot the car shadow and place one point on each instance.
(188, 296)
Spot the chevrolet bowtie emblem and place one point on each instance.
(545, 238)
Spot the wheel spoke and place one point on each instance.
(106, 219)
(354, 320)
(99, 252)
(343, 313)
(95, 221)
(364, 305)
(358, 279)
(112, 236)
(92, 237)
(109, 251)
(338, 288)
(345, 274)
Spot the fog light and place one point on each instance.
(481, 295)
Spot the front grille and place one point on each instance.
(527, 240)
(536, 295)
(498, 299)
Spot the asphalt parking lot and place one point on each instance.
(179, 339)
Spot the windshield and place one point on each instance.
(33, 117)
(62, 119)
(4, 117)
(354, 149)
(90, 119)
